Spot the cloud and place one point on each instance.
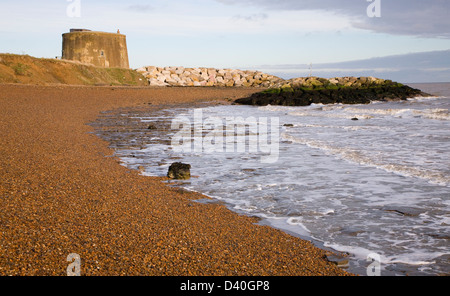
(399, 17)
(251, 18)
(430, 66)
(140, 7)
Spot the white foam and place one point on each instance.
(439, 114)
(293, 221)
(276, 108)
(359, 157)
(424, 98)
(290, 224)
(357, 252)
(345, 127)
(410, 258)
(329, 115)
(415, 258)
(358, 111)
(328, 212)
(373, 112)
(436, 113)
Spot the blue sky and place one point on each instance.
(233, 34)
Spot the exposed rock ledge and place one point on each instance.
(345, 90)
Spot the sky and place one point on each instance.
(240, 34)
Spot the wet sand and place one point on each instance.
(62, 192)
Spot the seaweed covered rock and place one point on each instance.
(346, 90)
(178, 170)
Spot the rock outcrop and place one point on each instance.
(178, 170)
(345, 90)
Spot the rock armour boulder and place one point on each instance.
(180, 76)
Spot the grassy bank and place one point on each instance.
(25, 69)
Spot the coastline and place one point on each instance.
(128, 139)
(62, 194)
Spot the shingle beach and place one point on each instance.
(62, 192)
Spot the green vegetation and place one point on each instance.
(123, 76)
(30, 70)
(326, 85)
(20, 69)
(270, 91)
(287, 90)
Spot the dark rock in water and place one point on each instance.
(288, 125)
(340, 261)
(403, 210)
(351, 231)
(178, 170)
(354, 118)
(327, 93)
(151, 127)
(440, 236)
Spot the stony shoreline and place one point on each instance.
(64, 192)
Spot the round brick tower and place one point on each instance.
(100, 49)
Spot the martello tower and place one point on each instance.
(100, 49)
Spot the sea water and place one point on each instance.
(377, 185)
